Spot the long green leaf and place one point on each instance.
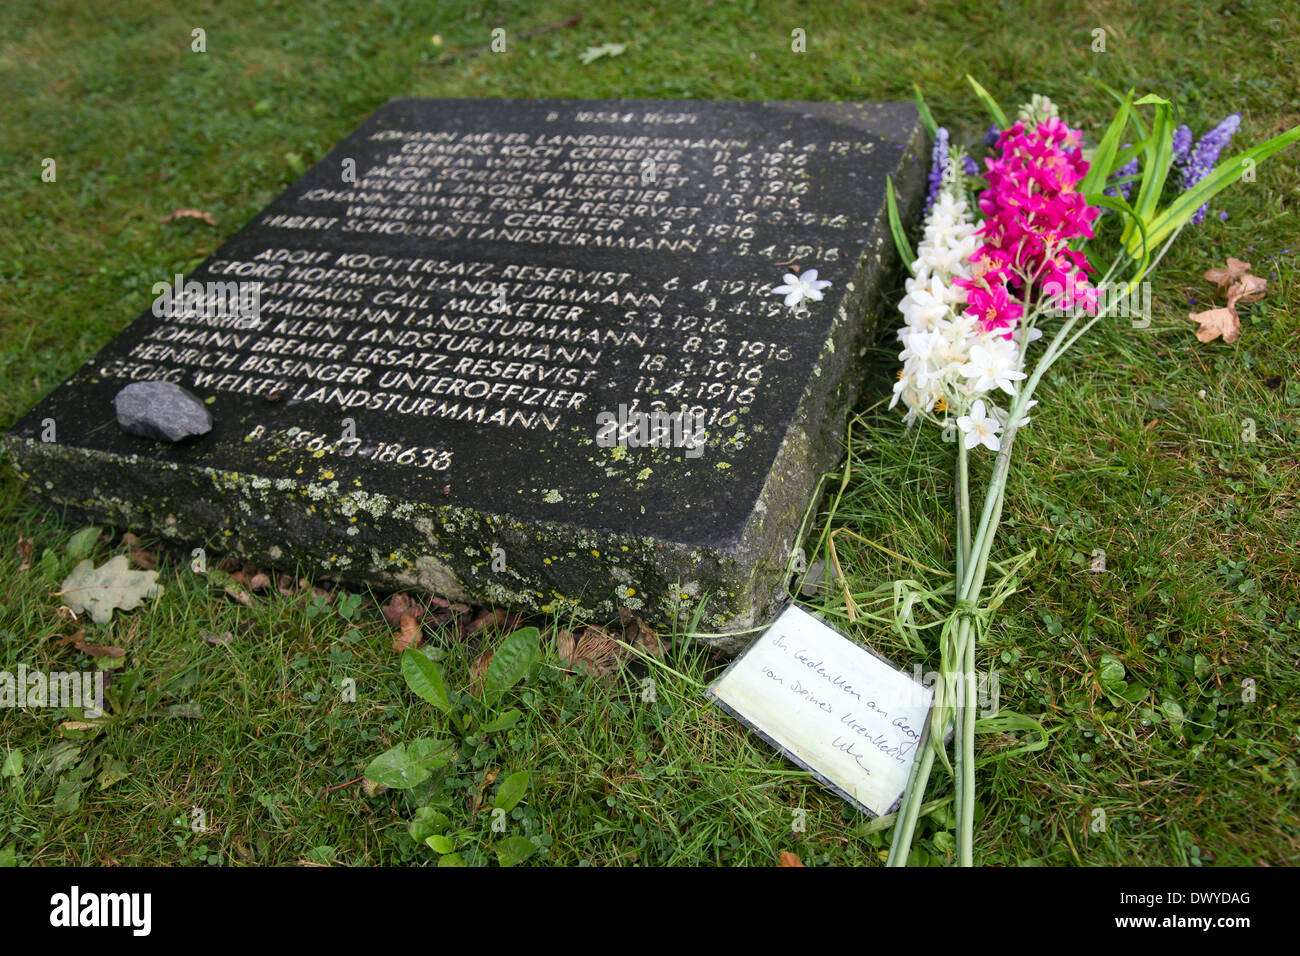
(1157, 158)
(995, 111)
(423, 676)
(927, 119)
(511, 662)
(1218, 179)
(1104, 160)
(896, 227)
(511, 791)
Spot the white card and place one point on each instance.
(831, 706)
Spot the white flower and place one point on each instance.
(925, 305)
(979, 429)
(798, 288)
(993, 366)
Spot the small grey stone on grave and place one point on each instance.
(521, 352)
(161, 410)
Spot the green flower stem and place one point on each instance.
(973, 566)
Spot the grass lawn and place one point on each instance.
(1139, 449)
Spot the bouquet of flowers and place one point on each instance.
(1004, 262)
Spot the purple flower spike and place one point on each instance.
(1128, 169)
(938, 162)
(1206, 154)
(1182, 144)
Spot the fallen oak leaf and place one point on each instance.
(1248, 288)
(1225, 277)
(112, 586)
(1216, 322)
(790, 859)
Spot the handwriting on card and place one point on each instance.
(831, 705)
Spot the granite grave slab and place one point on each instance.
(518, 351)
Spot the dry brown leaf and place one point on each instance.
(188, 214)
(77, 726)
(259, 582)
(78, 640)
(1216, 322)
(240, 595)
(488, 779)
(396, 606)
(478, 672)
(218, 640)
(485, 619)
(1247, 289)
(1225, 277)
(565, 643)
(593, 650)
(409, 632)
(285, 583)
(26, 548)
(637, 633)
(144, 559)
(790, 859)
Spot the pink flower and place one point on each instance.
(1032, 212)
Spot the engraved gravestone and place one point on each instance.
(520, 351)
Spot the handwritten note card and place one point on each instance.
(833, 707)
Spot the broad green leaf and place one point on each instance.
(896, 227)
(1135, 693)
(424, 677)
(8, 855)
(67, 795)
(426, 823)
(440, 843)
(995, 111)
(13, 765)
(511, 791)
(408, 765)
(1174, 712)
(503, 721)
(82, 543)
(112, 586)
(511, 662)
(451, 859)
(1111, 674)
(113, 773)
(514, 850)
